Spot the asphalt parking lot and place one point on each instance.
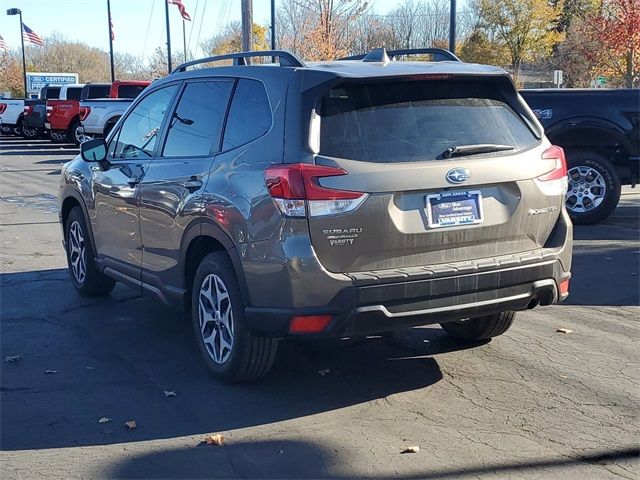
(534, 403)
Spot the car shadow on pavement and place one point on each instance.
(297, 459)
(86, 359)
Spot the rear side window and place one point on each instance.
(73, 93)
(96, 91)
(417, 120)
(130, 91)
(249, 115)
(196, 125)
(52, 93)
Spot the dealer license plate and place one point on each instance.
(451, 209)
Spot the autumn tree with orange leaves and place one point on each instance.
(615, 29)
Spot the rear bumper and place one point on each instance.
(370, 309)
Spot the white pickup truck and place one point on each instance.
(99, 116)
(11, 110)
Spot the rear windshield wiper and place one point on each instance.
(475, 149)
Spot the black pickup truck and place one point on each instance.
(599, 130)
(35, 110)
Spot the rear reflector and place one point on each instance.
(309, 324)
(297, 192)
(564, 287)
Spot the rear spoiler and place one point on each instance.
(382, 55)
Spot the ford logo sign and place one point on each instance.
(458, 175)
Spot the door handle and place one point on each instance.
(192, 185)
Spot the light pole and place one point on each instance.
(452, 27)
(17, 11)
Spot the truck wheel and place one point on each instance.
(58, 136)
(77, 133)
(480, 328)
(30, 133)
(227, 346)
(85, 276)
(594, 188)
(17, 130)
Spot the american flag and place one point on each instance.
(111, 29)
(181, 7)
(31, 36)
(3, 45)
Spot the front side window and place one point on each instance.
(139, 132)
(196, 124)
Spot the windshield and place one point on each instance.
(417, 120)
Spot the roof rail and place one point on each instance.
(286, 59)
(439, 54)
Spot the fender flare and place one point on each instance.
(585, 122)
(206, 228)
(69, 192)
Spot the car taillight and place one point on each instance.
(28, 109)
(297, 192)
(84, 113)
(3, 107)
(49, 110)
(560, 168)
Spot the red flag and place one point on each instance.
(181, 7)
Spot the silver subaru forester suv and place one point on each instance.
(329, 199)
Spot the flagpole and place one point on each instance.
(166, 16)
(184, 40)
(113, 77)
(24, 61)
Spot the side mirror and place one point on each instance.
(94, 150)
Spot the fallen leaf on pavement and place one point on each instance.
(564, 330)
(131, 424)
(216, 439)
(50, 372)
(12, 358)
(414, 449)
(104, 420)
(170, 393)
(324, 371)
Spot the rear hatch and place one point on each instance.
(449, 169)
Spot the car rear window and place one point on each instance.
(95, 91)
(406, 121)
(130, 91)
(52, 93)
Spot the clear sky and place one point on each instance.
(139, 24)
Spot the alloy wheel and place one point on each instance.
(216, 318)
(58, 136)
(82, 137)
(587, 189)
(77, 252)
(30, 132)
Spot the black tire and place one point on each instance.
(94, 283)
(585, 160)
(250, 357)
(58, 136)
(480, 328)
(17, 130)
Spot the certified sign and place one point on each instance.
(35, 81)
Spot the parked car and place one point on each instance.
(99, 116)
(331, 199)
(64, 115)
(34, 114)
(11, 110)
(599, 130)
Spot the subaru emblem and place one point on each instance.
(458, 175)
